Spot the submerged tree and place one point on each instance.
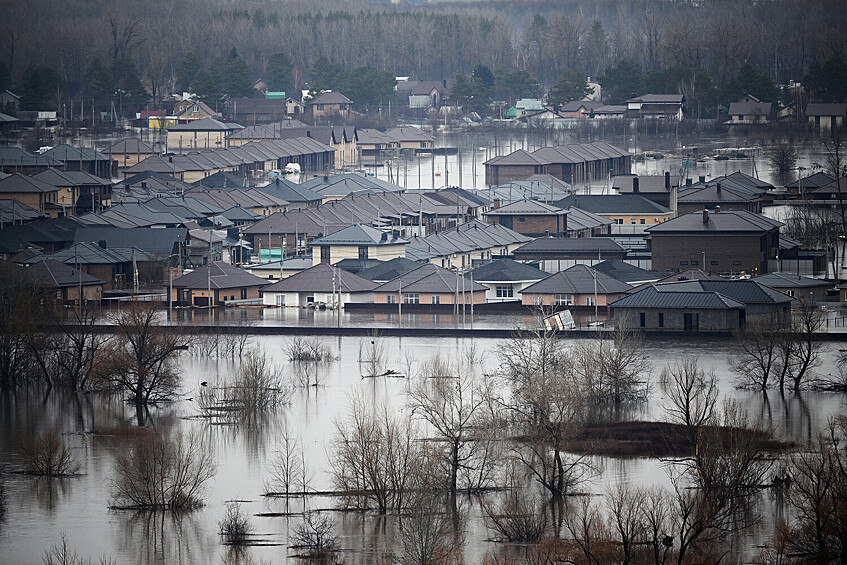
(546, 402)
(139, 361)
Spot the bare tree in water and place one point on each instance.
(139, 361)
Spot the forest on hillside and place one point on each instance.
(59, 52)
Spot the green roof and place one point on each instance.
(274, 95)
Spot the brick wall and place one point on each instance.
(732, 253)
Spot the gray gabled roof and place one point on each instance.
(725, 221)
(218, 275)
(359, 234)
(130, 145)
(651, 297)
(93, 254)
(712, 195)
(292, 192)
(578, 279)
(430, 279)
(612, 204)
(527, 208)
(320, 279)
(157, 242)
(18, 183)
(507, 270)
(577, 245)
(13, 212)
(389, 270)
(330, 98)
(819, 109)
(298, 263)
(785, 280)
(52, 274)
(206, 124)
(623, 271)
(746, 291)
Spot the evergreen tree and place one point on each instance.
(40, 88)
(186, 70)
(571, 86)
(278, 72)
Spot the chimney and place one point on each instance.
(384, 237)
(667, 180)
(718, 188)
(702, 179)
(717, 209)
(496, 204)
(102, 243)
(705, 216)
(144, 184)
(635, 184)
(444, 83)
(688, 181)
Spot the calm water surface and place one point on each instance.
(41, 510)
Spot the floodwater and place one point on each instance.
(41, 510)
(465, 168)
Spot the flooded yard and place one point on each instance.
(41, 510)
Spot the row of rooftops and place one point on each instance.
(565, 154)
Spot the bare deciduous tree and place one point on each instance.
(163, 472)
(454, 402)
(288, 470)
(139, 360)
(47, 455)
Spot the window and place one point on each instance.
(324, 254)
(521, 219)
(363, 252)
(790, 293)
(589, 301)
(618, 220)
(411, 298)
(243, 294)
(505, 291)
(695, 262)
(632, 221)
(390, 299)
(715, 263)
(280, 300)
(538, 301)
(684, 263)
(642, 319)
(563, 300)
(661, 320)
(435, 299)
(643, 221)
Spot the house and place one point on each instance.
(724, 241)
(190, 110)
(805, 289)
(9, 102)
(506, 279)
(88, 193)
(205, 133)
(749, 110)
(13, 212)
(408, 137)
(385, 271)
(545, 188)
(526, 107)
(225, 282)
(630, 213)
(16, 160)
(430, 285)
(826, 116)
(715, 196)
(46, 198)
(610, 112)
(587, 224)
(276, 270)
(579, 285)
(130, 151)
(329, 105)
(577, 162)
(656, 106)
(656, 188)
(580, 108)
(556, 254)
(321, 283)
(531, 218)
(473, 242)
(298, 195)
(115, 267)
(626, 272)
(678, 311)
(68, 283)
(421, 95)
(81, 159)
(358, 241)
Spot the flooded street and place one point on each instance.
(41, 510)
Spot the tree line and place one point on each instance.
(703, 49)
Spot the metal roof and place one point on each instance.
(388, 270)
(579, 279)
(320, 279)
(630, 203)
(218, 275)
(746, 291)
(727, 221)
(565, 245)
(507, 270)
(650, 297)
(527, 208)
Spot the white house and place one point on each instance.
(319, 284)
